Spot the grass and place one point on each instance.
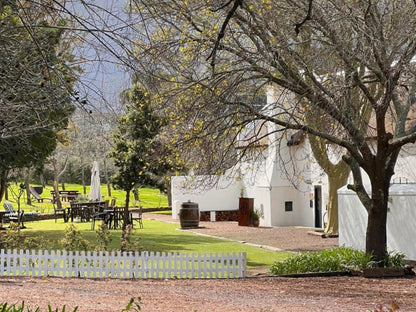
(149, 197)
(159, 236)
(155, 236)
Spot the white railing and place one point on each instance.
(121, 264)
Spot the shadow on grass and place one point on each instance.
(150, 242)
(157, 236)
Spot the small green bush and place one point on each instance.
(330, 260)
(395, 260)
(73, 239)
(103, 237)
(133, 305)
(14, 238)
(21, 308)
(127, 244)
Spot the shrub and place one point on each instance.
(13, 238)
(126, 242)
(330, 260)
(73, 239)
(103, 237)
(395, 260)
(133, 305)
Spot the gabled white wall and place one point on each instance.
(281, 173)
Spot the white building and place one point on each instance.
(286, 183)
(288, 197)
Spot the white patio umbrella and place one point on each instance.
(95, 191)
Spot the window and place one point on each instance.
(288, 206)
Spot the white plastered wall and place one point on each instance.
(401, 220)
(221, 196)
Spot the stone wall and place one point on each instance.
(231, 215)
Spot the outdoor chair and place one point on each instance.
(112, 204)
(137, 216)
(37, 196)
(102, 214)
(12, 214)
(117, 217)
(57, 212)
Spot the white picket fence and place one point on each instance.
(121, 264)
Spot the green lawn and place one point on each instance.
(149, 197)
(162, 237)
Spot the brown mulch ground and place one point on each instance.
(251, 294)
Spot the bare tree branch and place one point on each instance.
(307, 17)
(221, 34)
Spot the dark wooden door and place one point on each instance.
(244, 210)
(318, 206)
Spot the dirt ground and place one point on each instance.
(259, 293)
(250, 294)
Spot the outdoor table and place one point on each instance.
(70, 195)
(84, 211)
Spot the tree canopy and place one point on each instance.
(36, 84)
(136, 152)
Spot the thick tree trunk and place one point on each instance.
(3, 185)
(336, 180)
(42, 180)
(376, 238)
(27, 183)
(126, 210)
(337, 177)
(57, 197)
(136, 194)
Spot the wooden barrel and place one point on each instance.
(189, 215)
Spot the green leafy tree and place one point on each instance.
(36, 83)
(135, 145)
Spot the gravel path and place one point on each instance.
(265, 294)
(257, 294)
(280, 238)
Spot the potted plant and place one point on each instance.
(256, 214)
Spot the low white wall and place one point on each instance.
(220, 197)
(401, 220)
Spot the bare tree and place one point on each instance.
(261, 45)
